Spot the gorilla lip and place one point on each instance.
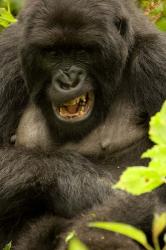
(76, 109)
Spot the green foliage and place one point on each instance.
(8, 246)
(139, 180)
(159, 224)
(124, 229)
(74, 243)
(6, 18)
(156, 10)
(15, 5)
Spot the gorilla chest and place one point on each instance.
(119, 131)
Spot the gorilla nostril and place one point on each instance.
(70, 79)
(77, 75)
(64, 85)
(62, 80)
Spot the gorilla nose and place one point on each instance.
(69, 80)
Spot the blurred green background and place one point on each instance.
(155, 9)
(15, 5)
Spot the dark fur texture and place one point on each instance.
(125, 60)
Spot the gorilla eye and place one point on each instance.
(121, 25)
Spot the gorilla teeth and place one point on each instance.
(73, 110)
(76, 101)
(77, 108)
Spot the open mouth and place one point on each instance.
(76, 109)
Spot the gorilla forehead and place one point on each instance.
(87, 22)
(84, 10)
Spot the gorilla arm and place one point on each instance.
(13, 92)
(67, 186)
(126, 209)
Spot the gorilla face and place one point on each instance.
(72, 94)
(73, 61)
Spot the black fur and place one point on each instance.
(125, 59)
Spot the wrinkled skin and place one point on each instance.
(60, 172)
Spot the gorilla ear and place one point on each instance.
(121, 25)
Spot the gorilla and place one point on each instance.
(79, 81)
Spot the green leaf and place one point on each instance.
(124, 229)
(8, 246)
(157, 152)
(76, 244)
(159, 224)
(158, 156)
(4, 23)
(158, 127)
(70, 236)
(6, 17)
(161, 24)
(139, 180)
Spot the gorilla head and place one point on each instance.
(74, 61)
